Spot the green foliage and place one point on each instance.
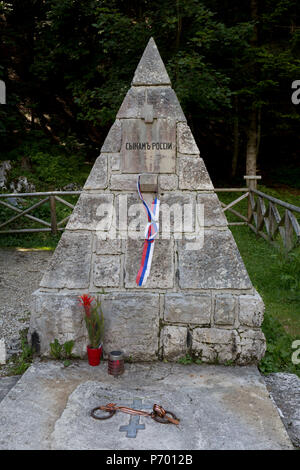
(188, 359)
(278, 357)
(95, 324)
(19, 363)
(62, 351)
(68, 64)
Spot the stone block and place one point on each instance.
(70, 264)
(224, 313)
(174, 342)
(252, 345)
(123, 182)
(2, 351)
(107, 247)
(115, 161)
(251, 310)
(131, 324)
(213, 213)
(162, 267)
(212, 336)
(185, 140)
(151, 69)
(113, 140)
(92, 212)
(218, 265)
(214, 344)
(168, 182)
(98, 176)
(193, 173)
(187, 308)
(163, 100)
(177, 213)
(148, 148)
(107, 271)
(58, 316)
(149, 183)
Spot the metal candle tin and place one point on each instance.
(116, 363)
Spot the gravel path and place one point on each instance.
(20, 273)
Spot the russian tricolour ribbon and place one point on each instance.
(150, 234)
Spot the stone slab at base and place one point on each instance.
(148, 326)
(219, 408)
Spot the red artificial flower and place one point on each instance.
(86, 301)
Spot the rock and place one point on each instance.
(185, 140)
(71, 262)
(138, 339)
(162, 268)
(174, 342)
(168, 182)
(225, 312)
(151, 69)
(151, 150)
(251, 310)
(251, 344)
(193, 173)
(218, 265)
(2, 351)
(123, 182)
(22, 186)
(285, 391)
(213, 213)
(58, 315)
(115, 161)
(214, 344)
(107, 271)
(5, 167)
(112, 143)
(188, 308)
(92, 212)
(98, 176)
(162, 98)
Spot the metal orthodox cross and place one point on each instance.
(134, 423)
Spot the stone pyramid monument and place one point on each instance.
(198, 298)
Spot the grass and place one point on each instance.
(276, 276)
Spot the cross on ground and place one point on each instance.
(133, 427)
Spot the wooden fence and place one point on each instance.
(52, 197)
(268, 217)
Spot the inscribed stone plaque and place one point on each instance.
(148, 147)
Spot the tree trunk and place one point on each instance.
(236, 138)
(251, 152)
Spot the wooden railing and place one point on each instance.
(268, 217)
(52, 226)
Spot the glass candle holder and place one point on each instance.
(115, 363)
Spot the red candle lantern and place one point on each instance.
(116, 363)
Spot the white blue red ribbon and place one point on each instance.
(150, 234)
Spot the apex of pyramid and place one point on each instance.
(151, 69)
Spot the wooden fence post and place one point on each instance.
(53, 215)
(251, 181)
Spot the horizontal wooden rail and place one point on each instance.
(51, 197)
(263, 216)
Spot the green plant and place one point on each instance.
(188, 359)
(56, 349)
(279, 351)
(94, 319)
(62, 351)
(20, 363)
